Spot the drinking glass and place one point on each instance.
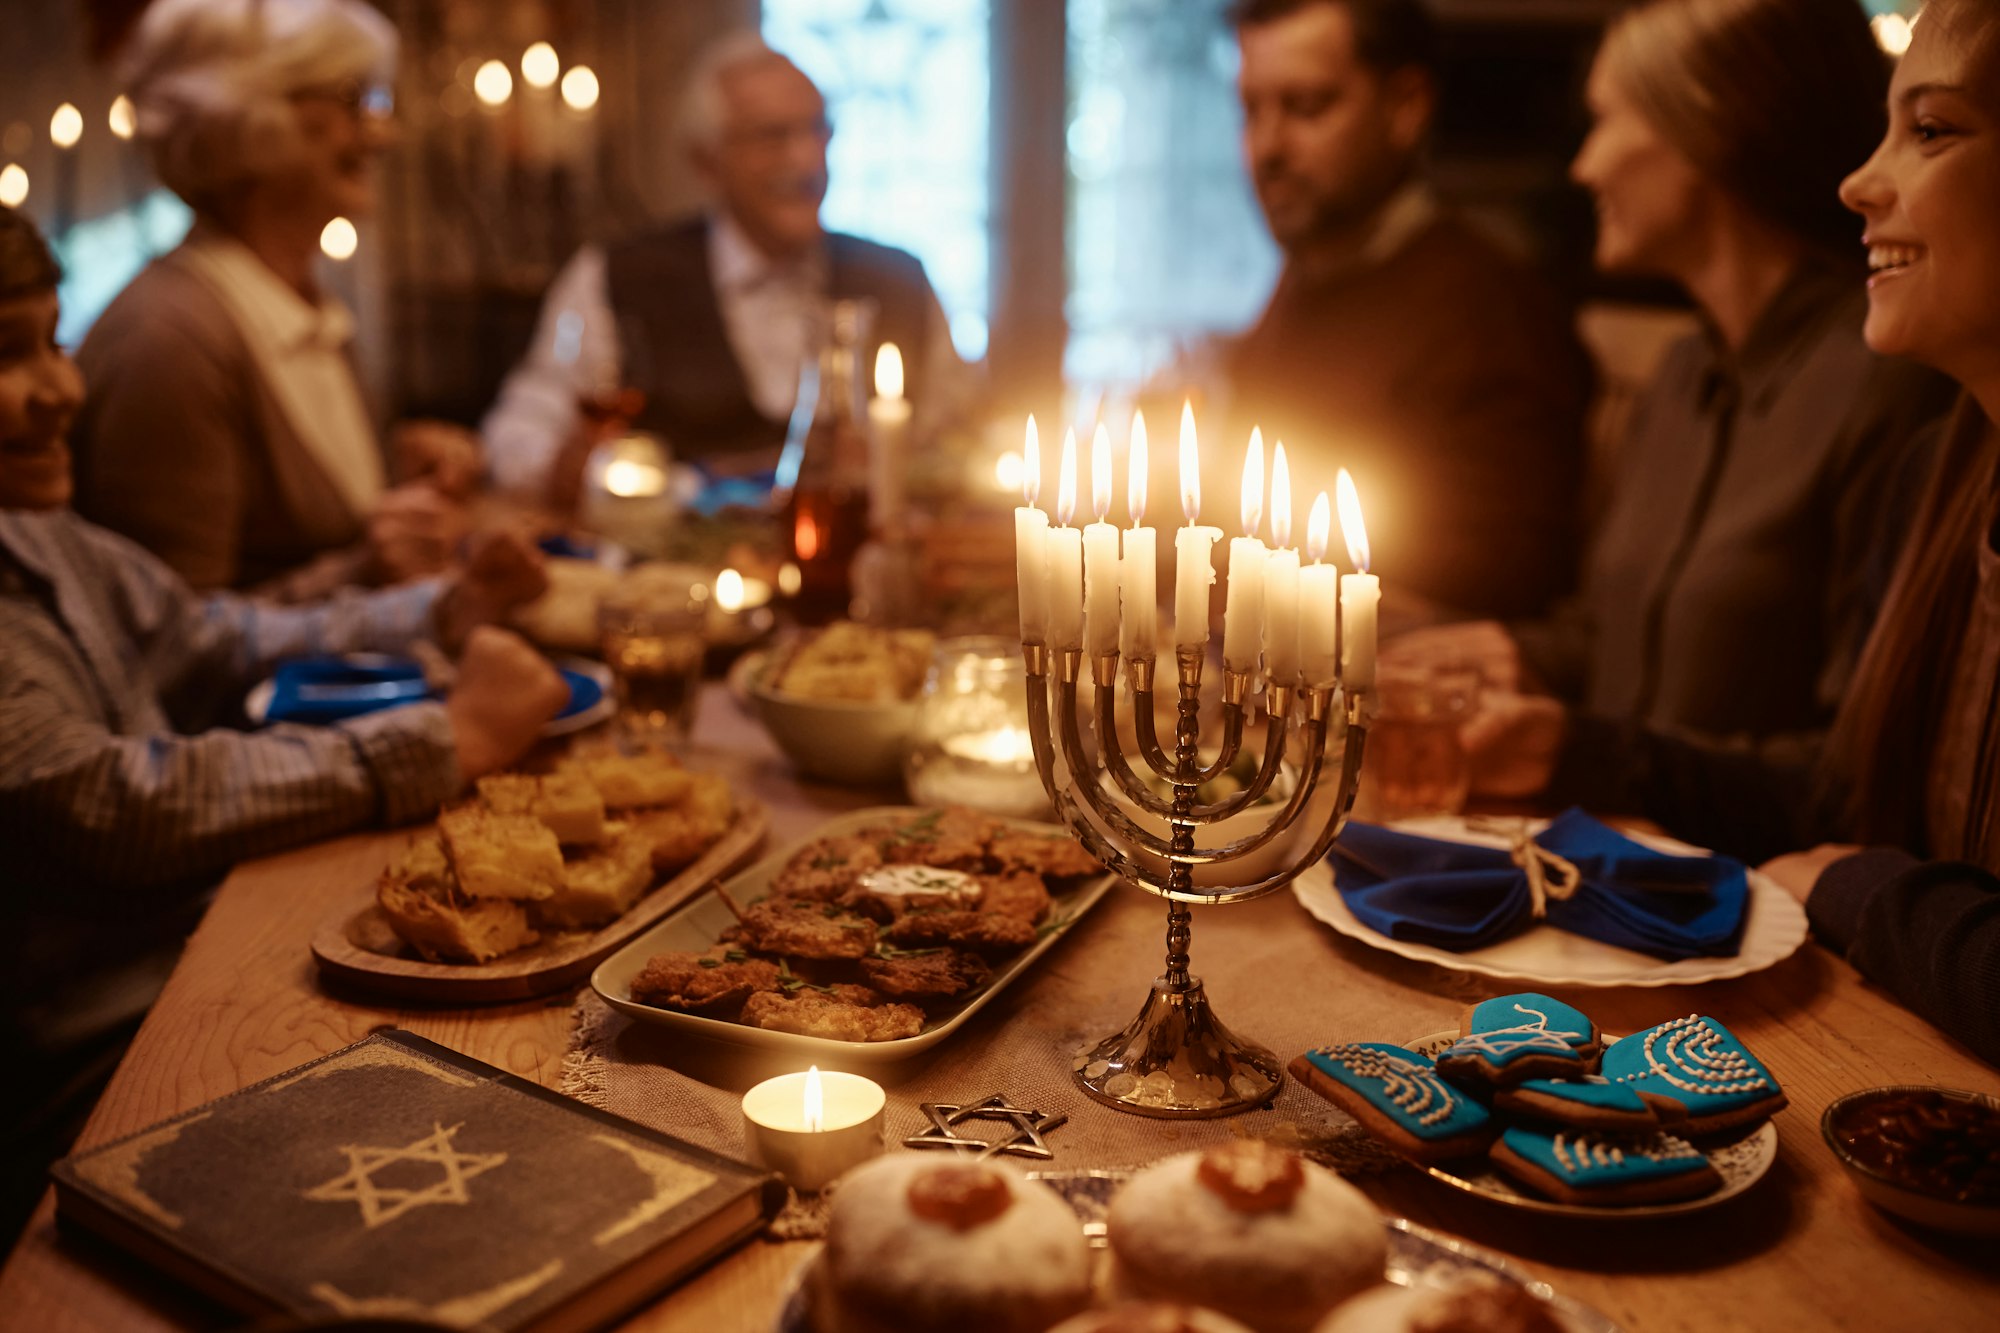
(653, 640)
(1416, 764)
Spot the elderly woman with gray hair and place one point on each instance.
(225, 429)
(1761, 493)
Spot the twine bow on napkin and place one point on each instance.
(1575, 875)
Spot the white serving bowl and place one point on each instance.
(855, 744)
(1892, 1195)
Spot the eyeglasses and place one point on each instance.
(361, 100)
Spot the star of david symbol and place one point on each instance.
(1025, 1140)
(380, 1203)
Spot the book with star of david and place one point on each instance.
(398, 1178)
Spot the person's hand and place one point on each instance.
(412, 533)
(1797, 872)
(1512, 743)
(505, 692)
(1483, 645)
(445, 456)
(502, 571)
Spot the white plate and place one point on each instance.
(1741, 1161)
(698, 925)
(1776, 927)
(1418, 1257)
(258, 702)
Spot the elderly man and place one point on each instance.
(1399, 343)
(713, 318)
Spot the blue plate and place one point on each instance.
(323, 690)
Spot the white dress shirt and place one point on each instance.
(768, 314)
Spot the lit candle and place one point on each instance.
(1066, 558)
(1360, 595)
(889, 428)
(1141, 627)
(1100, 553)
(1192, 571)
(1031, 554)
(1243, 611)
(811, 1128)
(1281, 579)
(1319, 603)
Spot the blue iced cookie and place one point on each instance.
(1398, 1097)
(1515, 1038)
(1592, 1168)
(1593, 1105)
(1696, 1075)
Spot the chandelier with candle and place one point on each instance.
(1306, 633)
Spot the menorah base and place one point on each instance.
(1178, 1062)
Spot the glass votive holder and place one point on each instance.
(972, 746)
(811, 1128)
(654, 639)
(628, 492)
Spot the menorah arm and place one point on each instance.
(1148, 734)
(1350, 774)
(1135, 789)
(1083, 773)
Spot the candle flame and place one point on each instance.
(1319, 525)
(1350, 521)
(1281, 498)
(805, 538)
(1253, 483)
(1190, 466)
(1100, 472)
(1138, 463)
(729, 590)
(815, 1110)
(1066, 479)
(888, 372)
(1031, 464)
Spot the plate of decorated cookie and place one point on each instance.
(868, 943)
(1528, 1105)
(1774, 926)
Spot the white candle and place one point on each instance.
(1100, 553)
(1192, 571)
(1360, 595)
(1243, 610)
(810, 1128)
(1031, 553)
(1141, 627)
(1281, 579)
(889, 428)
(1319, 603)
(1066, 558)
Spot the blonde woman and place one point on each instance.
(225, 429)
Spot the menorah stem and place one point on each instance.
(1180, 932)
(1187, 772)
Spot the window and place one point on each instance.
(906, 86)
(100, 256)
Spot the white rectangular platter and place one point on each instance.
(701, 922)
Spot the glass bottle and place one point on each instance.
(823, 475)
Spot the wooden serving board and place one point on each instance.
(355, 945)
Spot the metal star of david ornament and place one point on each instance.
(1025, 1140)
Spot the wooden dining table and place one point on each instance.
(1799, 1250)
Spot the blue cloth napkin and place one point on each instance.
(323, 690)
(1455, 896)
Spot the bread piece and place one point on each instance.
(570, 806)
(501, 856)
(418, 896)
(600, 886)
(680, 833)
(652, 777)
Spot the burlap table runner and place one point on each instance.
(1274, 974)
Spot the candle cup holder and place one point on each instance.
(1176, 1060)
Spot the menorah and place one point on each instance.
(1177, 1059)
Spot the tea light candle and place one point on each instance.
(1193, 570)
(1031, 552)
(1319, 603)
(811, 1128)
(1100, 553)
(1065, 546)
(1360, 595)
(1243, 613)
(1140, 627)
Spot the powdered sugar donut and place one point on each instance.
(1150, 1317)
(921, 1244)
(1471, 1305)
(1249, 1228)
